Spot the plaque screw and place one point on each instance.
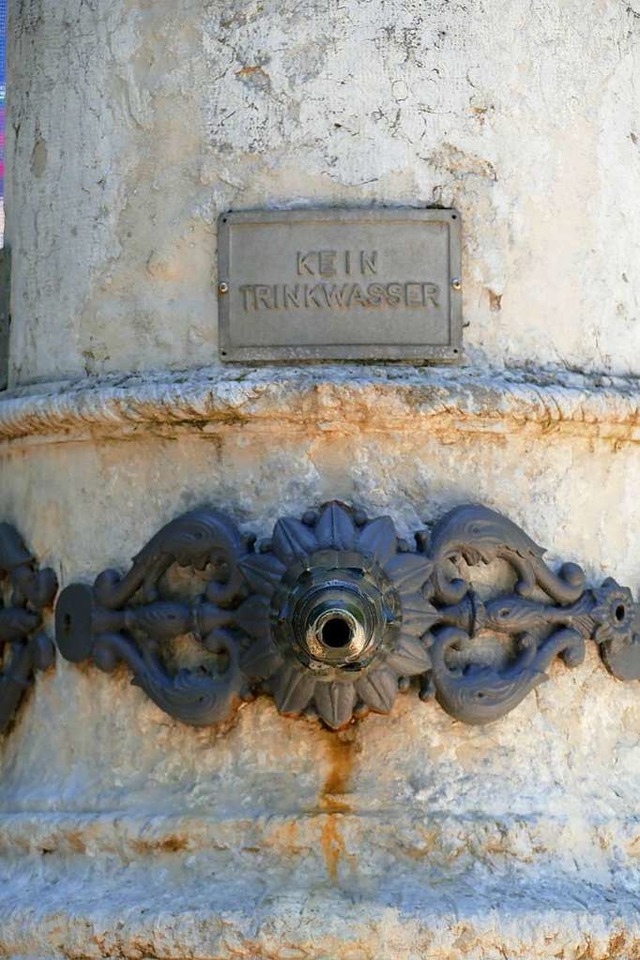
(223, 287)
(456, 283)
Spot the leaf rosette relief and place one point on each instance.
(340, 616)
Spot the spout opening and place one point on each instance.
(336, 633)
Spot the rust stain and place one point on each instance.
(619, 947)
(248, 71)
(340, 752)
(431, 843)
(286, 834)
(76, 841)
(332, 846)
(633, 847)
(617, 944)
(341, 749)
(254, 76)
(171, 844)
(495, 301)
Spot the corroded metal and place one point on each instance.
(25, 647)
(335, 614)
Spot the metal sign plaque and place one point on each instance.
(340, 285)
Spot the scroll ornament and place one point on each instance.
(335, 614)
(24, 647)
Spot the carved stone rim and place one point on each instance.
(401, 395)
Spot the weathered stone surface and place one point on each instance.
(416, 832)
(126, 834)
(358, 398)
(406, 835)
(523, 116)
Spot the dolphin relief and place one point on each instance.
(334, 615)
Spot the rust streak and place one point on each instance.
(332, 846)
(170, 844)
(336, 785)
(340, 757)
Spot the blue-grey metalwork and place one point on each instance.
(335, 614)
(24, 646)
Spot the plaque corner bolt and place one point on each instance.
(223, 287)
(456, 283)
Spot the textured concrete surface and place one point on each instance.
(124, 834)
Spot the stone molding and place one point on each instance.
(80, 907)
(326, 397)
(127, 833)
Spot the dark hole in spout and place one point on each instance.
(336, 633)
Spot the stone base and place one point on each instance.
(326, 886)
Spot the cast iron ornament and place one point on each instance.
(102, 624)
(335, 614)
(338, 613)
(24, 647)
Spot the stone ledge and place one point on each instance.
(346, 398)
(558, 845)
(206, 908)
(523, 837)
